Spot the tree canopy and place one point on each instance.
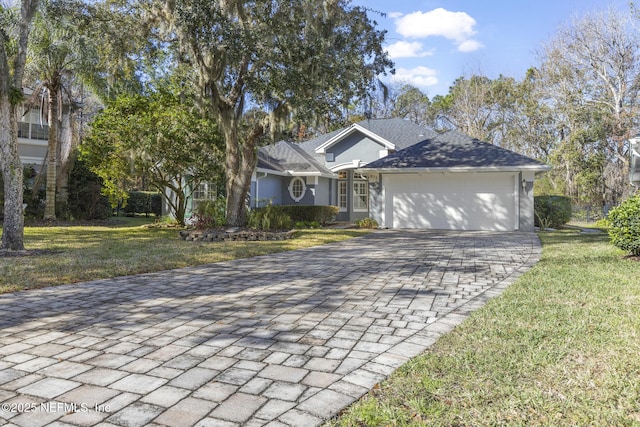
(296, 60)
(160, 138)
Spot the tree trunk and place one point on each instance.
(240, 163)
(67, 143)
(52, 156)
(11, 85)
(13, 224)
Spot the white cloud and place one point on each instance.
(394, 15)
(470, 46)
(454, 26)
(421, 77)
(403, 49)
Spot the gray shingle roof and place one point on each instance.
(453, 149)
(418, 147)
(402, 133)
(287, 156)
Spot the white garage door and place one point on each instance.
(454, 201)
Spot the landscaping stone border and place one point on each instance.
(244, 235)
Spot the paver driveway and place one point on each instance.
(284, 339)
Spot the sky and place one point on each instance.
(433, 42)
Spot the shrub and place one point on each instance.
(367, 223)
(85, 198)
(143, 202)
(551, 211)
(321, 214)
(269, 218)
(210, 214)
(624, 225)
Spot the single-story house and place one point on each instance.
(402, 175)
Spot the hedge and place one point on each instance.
(551, 211)
(303, 213)
(322, 214)
(144, 202)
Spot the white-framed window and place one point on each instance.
(31, 126)
(205, 191)
(342, 191)
(297, 188)
(360, 193)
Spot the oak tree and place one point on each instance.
(290, 59)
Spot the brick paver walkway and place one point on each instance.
(285, 339)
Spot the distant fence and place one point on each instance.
(587, 213)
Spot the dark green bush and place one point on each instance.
(551, 211)
(309, 214)
(85, 198)
(144, 202)
(624, 225)
(269, 218)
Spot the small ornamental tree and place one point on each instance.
(624, 225)
(158, 138)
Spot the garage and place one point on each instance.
(453, 182)
(451, 201)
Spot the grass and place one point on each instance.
(82, 253)
(560, 347)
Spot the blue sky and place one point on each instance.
(433, 42)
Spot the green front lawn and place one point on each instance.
(82, 253)
(560, 347)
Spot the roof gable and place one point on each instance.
(350, 131)
(402, 133)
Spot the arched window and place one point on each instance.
(297, 188)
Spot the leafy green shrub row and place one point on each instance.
(551, 211)
(210, 214)
(624, 225)
(144, 202)
(301, 213)
(269, 218)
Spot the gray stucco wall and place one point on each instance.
(526, 202)
(376, 201)
(269, 189)
(354, 147)
(323, 191)
(307, 199)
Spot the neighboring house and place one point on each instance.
(403, 176)
(32, 138)
(634, 149)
